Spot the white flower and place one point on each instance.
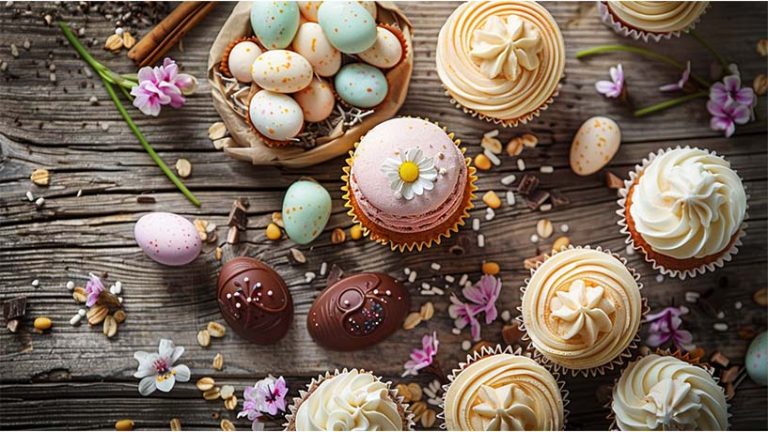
(156, 370)
(410, 174)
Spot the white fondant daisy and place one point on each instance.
(410, 173)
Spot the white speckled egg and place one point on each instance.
(757, 359)
(241, 58)
(386, 52)
(275, 23)
(316, 100)
(281, 71)
(306, 209)
(275, 115)
(167, 238)
(309, 9)
(370, 6)
(594, 145)
(361, 85)
(348, 26)
(312, 44)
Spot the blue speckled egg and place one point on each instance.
(348, 26)
(361, 85)
(757, 359)
(306, 209)
(275, 23)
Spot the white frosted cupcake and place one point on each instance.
(654, 20)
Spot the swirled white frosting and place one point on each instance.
(658, 16)
(504, 45)
(688, 203)
(665, 393)
(349, 401)
(585, 311)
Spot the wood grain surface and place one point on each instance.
(75, 378)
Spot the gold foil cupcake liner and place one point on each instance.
(407, 416)
(617, 361)
(487, 351)
(724, 256)
(619, 27)
(506, 122)
(430, 237)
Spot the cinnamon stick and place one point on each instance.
(168, 32)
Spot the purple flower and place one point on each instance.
(93, 289)
(730, 90)
(484, 295)
(665, 326)
(421, 358)
(267, 396)
(680, 84)
(726, 116)
(615, 87)
(463, 314)
(162, 85)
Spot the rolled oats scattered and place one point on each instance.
(203, 338)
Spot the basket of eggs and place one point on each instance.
(298, 83)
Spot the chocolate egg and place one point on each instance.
(312, 44)
(254, 300)
(594, 145)
(168, 238)
(358, 312)
(275, 115)
(275, 23)
(281, 71)
(361, 85)
(241, 58)
(316, 101)
(386, 52)
(349, 26)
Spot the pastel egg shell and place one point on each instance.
(167, 238)
(370, 6)
(275, 115)
(275, 23)
(306, 210)
(309, 9)
(241, 58)
(348, 26)
(594, 145)
(281, 71)
(386, 52)
(311, 43)
(361, 85)
(757, 359)
(316, 100)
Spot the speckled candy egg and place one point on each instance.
(361, 85)
(306, 209)
(281, 71)
(275, 23)
(594, 145)
(167, 238)
(386, 52)
(312, 44)
(349, 27)
(316, 100)
(275, 115)
(309, 9)
(241, 58)
(757, 359)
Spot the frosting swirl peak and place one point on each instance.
(585, 310)
(505, 45)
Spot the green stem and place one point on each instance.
(669, 104)
(125, 93)
(711, 49)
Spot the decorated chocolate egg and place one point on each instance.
(361, 85)
(306, 210)
(275, 23)
(348, 26)
(757, 359)
(316, 100)
(167, 238)
(312, 44)
(386, 52)
(275, 115)
(281, 71)
(241, 58)
(594, 145)
(309, 9)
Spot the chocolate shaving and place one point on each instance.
(527, 184)
(238, 216)
(719, 359)
(335, 275)
(512, 334)
(613, 181)
(558, 199)
(15, 308)
(145, 199)
(233, 235)
(537, 198)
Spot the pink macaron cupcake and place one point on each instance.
(408, 183)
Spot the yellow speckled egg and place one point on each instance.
(275, 115)
(386, 52)
(594, 145)
(311, 43)
(241, 58)
(316, 100)
(281, 71)
(309, 9)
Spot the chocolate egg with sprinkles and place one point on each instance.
(358, 312)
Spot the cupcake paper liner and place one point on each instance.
(224, 63)
(619, 27)
(618, 361)
(420, 239)
(407, 416)
(724, 256)
(507, 122)
(488, 351)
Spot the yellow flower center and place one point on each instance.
(409, 171)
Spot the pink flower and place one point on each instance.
(726, 116)
(615, 87)
(681, 83)
(665, 326)
(463, 314)
(267, 396)
(421, 358)
(730, 90)
(93, 289)
(484, 295)
(161, 85)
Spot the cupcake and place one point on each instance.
(501, 61)
(664, 392)
(349, 400)
(497, 390)
(581, 310)
(685, 210)
(654, 20)
(408, 184)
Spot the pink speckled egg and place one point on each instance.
(167, 238)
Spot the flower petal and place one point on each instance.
(147, 386)
(182, 372)
(166, 348)
(165, 382)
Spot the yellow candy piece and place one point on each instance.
(273, 232)
(409, 171)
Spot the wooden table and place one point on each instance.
(74, 377)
